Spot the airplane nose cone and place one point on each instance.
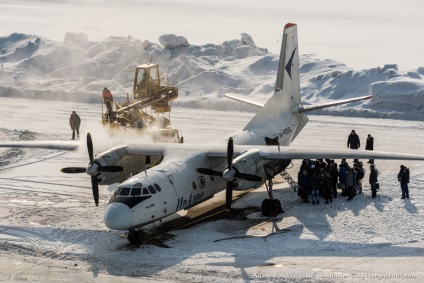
(118, 216)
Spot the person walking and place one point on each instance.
(373, 180)
(370, 146)
(403, 178)
(75, 122)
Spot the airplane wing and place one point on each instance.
(294, 152)
(58, 145)
(214, 151)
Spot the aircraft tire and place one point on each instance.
(266, 205)
(136, 236)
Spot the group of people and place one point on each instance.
(75, 120)
(324, 177)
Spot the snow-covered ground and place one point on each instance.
(51, 230)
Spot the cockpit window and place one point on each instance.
(124, 192)
(145, 191)
(135, 192)
(157, 187)
(138, 185)
(117, 191)
(151, 189)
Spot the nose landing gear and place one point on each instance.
(136, 236)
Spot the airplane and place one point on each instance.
(185, 175)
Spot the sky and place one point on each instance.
(361, 34)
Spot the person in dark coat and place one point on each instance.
(370, 146)
(342, 179)
(74, 122)
(350, 183)
(326, 186)
(334, 173)
(403, 178)
(373, 180)
(353, 142)
(304, 185)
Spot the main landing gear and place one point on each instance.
(136, 236)
(270, 207)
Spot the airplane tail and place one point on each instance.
(287, 86)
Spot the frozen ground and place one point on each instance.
(51, 231)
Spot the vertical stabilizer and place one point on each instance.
(287, 86)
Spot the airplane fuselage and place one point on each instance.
(174, 184)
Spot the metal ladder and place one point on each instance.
(289, 180)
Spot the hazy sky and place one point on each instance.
(361, 34)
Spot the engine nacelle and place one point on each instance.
(252, 163)
(118, 156)
(249, 162)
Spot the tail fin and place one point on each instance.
(287, 87)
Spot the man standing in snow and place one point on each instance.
(353, 142)
(373, 180)
(370, 146)
(74, 122)
(403, 177)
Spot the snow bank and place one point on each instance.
(78, 69)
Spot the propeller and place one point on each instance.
(230, 174)
(93, 169)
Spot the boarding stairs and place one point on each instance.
(286, 176)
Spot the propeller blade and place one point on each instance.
(208, 171)
(249, 177)
(230, 153)
(90, 148)
(110, 169)
(95, 188)
(229, 195)
(73, 170)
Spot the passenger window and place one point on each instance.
(151, 189)
(145, 191)
(136, 191)
(157, 187)
(124, 192)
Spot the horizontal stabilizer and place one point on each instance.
(244, 100)
(303, 109)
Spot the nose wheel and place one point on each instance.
(136, 236)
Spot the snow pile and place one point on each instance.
(78, 69)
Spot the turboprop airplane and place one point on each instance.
(188, 174)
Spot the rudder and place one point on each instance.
(287, 86)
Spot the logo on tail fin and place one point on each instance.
(289, 63)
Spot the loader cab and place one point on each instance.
(146, 81)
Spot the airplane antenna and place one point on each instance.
(145, 169)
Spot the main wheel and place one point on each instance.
(266, 204)
(275, 207)
(136, 236)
